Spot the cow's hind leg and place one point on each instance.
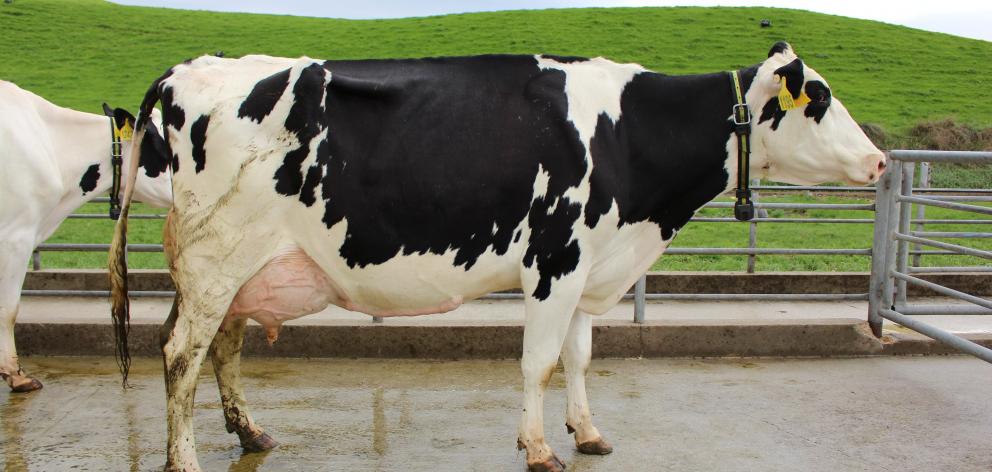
(187, 333)
(225, 352)
(576, 355)
(14, 255)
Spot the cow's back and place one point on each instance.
(29, 173)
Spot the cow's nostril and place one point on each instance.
(881, 166)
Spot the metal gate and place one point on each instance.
(890, 269)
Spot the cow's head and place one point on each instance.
(801, 133)
(154, 183)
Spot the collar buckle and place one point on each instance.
(742, 114)
(742, 119)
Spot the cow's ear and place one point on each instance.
(122, 117)
(792, 73)
(781, 47)
(107, 110)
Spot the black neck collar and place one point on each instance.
(743, 207)
(117, 162)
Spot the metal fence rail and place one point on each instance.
(890, 272)
(751, 251)
(952, 198)
(903, 236)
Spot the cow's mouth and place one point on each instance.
(861, 183)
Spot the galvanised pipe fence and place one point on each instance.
(752, 251)
(951, 198)
(891, 270)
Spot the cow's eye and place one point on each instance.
(818, 93)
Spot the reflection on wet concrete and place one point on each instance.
(248, 462)
(423, 415)
(133, 433)
(12, 416)
(378, 422)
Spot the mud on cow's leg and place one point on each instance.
(225, 352)
(545, 329)
(187, 334)
(10, 368)
(576, 355)
(14, 256)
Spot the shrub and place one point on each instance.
(944, 135)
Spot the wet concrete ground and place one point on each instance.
(672, 414)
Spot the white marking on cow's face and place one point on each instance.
(801, 150)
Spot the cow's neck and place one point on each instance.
(682, 146)
(80, 141)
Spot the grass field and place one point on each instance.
(79, 53)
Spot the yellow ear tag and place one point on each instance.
(785, 100)
(125, 132)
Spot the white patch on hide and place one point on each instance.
(593, 87)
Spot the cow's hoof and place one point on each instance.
(597, 447)
(259, 443)
(29, 384)
(554, 464)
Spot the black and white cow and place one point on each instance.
(52, 160)
(406, 187)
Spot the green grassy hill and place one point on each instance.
(79, 53)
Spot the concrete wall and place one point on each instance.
(766, 338)
(658, 282)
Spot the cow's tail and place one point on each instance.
(117, 258)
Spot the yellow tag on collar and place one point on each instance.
(125, 132)
(785, 100)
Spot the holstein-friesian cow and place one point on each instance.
(53, 160)
(406, 187)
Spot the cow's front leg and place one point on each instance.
(225, 352)
(14, 256)
(189, 330)
(576, 355)
(545, 328)
(10, 368)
